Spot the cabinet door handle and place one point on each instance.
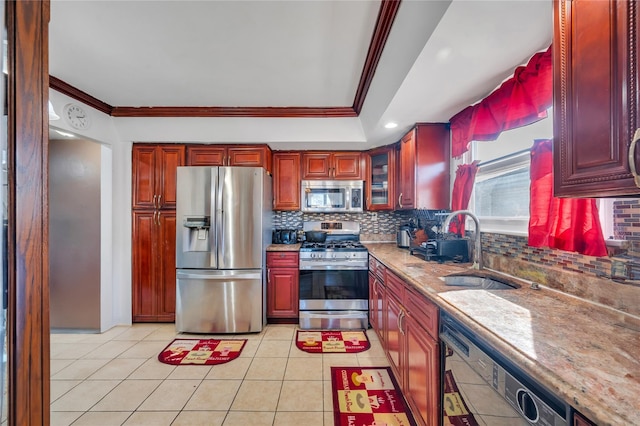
(155, 218)
(155, 206)
(400, 200)
(632, 159)
(159, 200)
(400, 321)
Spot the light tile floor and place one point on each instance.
(115, 378)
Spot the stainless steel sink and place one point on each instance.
(478, 282)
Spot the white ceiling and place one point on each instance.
(440, 57)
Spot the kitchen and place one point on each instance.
(122, 200)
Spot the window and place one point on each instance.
(500, 197)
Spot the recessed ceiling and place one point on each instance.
(439, 57)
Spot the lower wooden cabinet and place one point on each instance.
(422, 366)
(282, 285)
(408, 330)
(154, 266)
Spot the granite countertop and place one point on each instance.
(283, 247)
(587, 354)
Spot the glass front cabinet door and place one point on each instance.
(381, 181)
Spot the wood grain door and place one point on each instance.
(206, 155)
(406, 172)
(316, 165)
(286, 181)
(144, 176)
(282, 293)
(347, 165)
(169, 158)
(596, 108)
(422, 370)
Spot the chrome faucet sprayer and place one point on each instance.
(478, 245)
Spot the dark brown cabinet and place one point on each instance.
(423, 168)
(422, 358)
(381, 172)
(154, 175)
(224, 155)
(332, 165)
(376, 297)
(154, 170)
(282, 285)
(154, 267)
(409, 324)
(595, 106)
(286, 180)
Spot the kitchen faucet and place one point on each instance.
(478, 244)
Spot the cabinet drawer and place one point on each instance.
(396, 286)
(423, 311)
(377, 268)
(286, 259)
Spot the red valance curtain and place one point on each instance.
(461, 193)
(570, 224)
(521, 100)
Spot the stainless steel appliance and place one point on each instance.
(223, 228)
(404, 236)
(334, 287)
(332, 195)
(495, 391)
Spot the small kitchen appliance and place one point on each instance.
(330, 196)
(284, 236)
(334, 285)
(223, 226)
(404, 236)
(443, 250)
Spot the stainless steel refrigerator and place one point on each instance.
(222, 231)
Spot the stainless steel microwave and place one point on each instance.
(332, 195)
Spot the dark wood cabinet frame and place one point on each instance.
(28, 313)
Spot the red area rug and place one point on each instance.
(201, 351)
(368, 396)
(332, 341)
(455, 410)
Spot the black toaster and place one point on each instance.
(284, 236)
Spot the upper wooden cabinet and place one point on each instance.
(381, 178)
(595, 106)
(225, 155)
(423, 168)
(154, 168)
(332, 165)
(286, 180)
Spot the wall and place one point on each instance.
(115, 212)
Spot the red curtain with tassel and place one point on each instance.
(570, 224)
(521, 100)
(462, 187)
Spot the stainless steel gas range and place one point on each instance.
(334, 289)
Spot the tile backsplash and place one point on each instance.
(613, 281)
(371, 223)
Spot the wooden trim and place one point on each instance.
(28, 313)
(386, 16)
(293, 112)
(77, 94)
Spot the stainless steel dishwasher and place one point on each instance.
(482, 387)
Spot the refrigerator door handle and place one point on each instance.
(223, 277)
(219, 247)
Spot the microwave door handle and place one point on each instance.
(347, 201)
